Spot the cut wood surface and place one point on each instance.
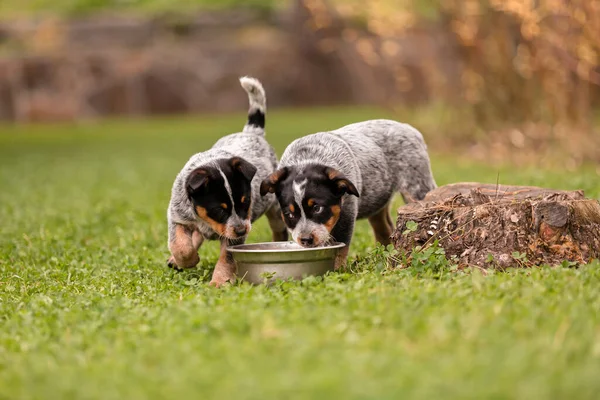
(501, 226)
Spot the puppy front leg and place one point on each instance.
(342, 257)
(225, 268)
(278, 228)
(184, 242)
(342, 232)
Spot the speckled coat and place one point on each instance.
(379, 156)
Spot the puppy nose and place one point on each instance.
(240, 230)
(307, 240)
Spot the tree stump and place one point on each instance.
(499, 226)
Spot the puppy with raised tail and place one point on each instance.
(327, 180)
(216, 195)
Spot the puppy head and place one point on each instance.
(221, 195)
(311, 200)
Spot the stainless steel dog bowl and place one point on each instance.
(282, 260)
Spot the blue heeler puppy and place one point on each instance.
(327, 180)
(217, 193)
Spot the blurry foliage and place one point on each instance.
(522, 60)
(528, 60)
(521, 78)
(9, 8)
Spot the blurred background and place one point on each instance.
(498, 80)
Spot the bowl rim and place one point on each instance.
(239, 248)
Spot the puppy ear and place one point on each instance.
(341, 183)
(196, 180)
(247, 169)
(270, 184)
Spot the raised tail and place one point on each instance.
(258, 105)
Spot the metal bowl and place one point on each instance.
(282, 260)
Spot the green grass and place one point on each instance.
(11, 8)
(88, 309)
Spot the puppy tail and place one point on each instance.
(258, 105)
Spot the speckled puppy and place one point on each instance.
(327, 180)
(216, 195)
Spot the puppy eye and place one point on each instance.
(318, 209)
(290, 215)
(218, 212)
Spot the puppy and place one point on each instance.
(327, 180)
(216, 194)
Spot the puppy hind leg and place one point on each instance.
(407, 198)
(382, 225)
(415, 179)
(390, 221)
(280, 233)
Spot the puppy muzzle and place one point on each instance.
(310, 235)
(237, 228)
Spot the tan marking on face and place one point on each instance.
(292, 208)
(335, 211)
(332, 174)
(217, 227)
(243, 200)
(311, 202)
(235, 162)
(224, 206)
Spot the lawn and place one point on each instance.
(88, 309)
(11, 8)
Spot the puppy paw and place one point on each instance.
(172, 264)
(222, 276)
(218, 281)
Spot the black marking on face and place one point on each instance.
(239, 173)
(207, 189)
(320, 208)
(291, 214)
(319, 202)
(320, 192)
